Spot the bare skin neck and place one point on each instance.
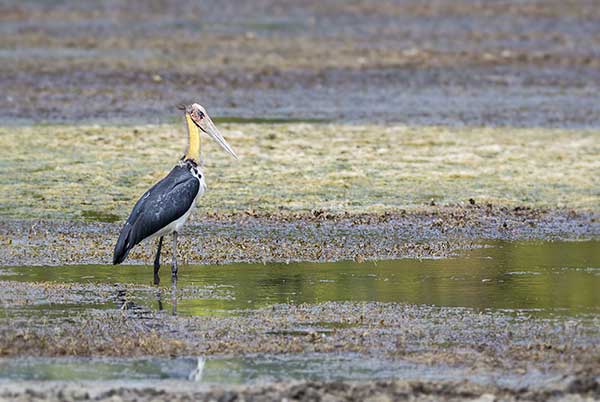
(193, 149)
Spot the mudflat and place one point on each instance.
(419, 180)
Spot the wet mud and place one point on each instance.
(437, 63)
(423, 334)
(562, 352)
(422, 64)
(522, 351)
(287, 237)
(310, 391)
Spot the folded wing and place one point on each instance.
(167, 201)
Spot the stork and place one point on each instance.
(167, 205)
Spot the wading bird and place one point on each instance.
(165, 208)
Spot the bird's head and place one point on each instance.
(196, 114)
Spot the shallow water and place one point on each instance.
(212, 370)
(248, 370)
(542, 278)
(532, 278)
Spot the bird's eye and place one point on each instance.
(200, 114)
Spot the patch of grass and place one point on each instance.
(59, 171)
(100, 216)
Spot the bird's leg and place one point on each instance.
(157, 261)
(174, 267)
(159, 300)
(174, 297)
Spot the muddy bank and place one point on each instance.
(286, 237)
(580, 387)
(483, 341)
(559, 356)
(500, 96)
(446, 62)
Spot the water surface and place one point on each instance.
(247, 370)
(549, 278)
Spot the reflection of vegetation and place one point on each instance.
(517, 276)
(560, 276)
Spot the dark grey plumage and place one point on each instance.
(167, 201)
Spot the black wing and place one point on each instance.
(167, 201)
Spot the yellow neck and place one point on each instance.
(193, 150)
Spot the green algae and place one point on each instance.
(100, 216)
(58, 171)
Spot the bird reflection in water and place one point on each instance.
(124, 301)
(196, 374)
(159, 301)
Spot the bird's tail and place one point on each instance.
(123, 245)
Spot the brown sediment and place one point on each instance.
(436, 181)
(311, 236)
(449, 62)
(479, 342)
(415, 333)
(385, 390)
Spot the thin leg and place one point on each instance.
(174, 297)
(157, 261)
(159, 300)
(174, 268)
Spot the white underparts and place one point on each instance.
(177, 224)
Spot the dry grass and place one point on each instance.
(84, 172)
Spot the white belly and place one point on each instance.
(178, 223)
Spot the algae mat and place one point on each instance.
(97, 172)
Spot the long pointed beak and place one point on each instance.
(209, 128)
